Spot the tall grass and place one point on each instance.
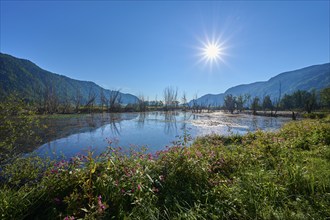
(261, 175)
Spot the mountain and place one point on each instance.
(28, 81)
(313, 77)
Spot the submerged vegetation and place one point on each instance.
(261, 175)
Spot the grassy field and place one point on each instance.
(261, 175)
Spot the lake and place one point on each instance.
(70, 135)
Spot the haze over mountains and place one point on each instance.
(309, 78)
(28, 80)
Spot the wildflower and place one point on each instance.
(54, 171)
(69, 218)
(161, 178)
(139, 187)
(101, 207)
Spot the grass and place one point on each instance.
(261, 175)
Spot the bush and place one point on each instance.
(16, 124)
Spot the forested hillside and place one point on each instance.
(310, 78)
(34, 84)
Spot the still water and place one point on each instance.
(155, 130)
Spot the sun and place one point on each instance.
(212, 51)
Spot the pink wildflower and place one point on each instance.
(101, 207)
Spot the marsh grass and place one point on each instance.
(261, 175)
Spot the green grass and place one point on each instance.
(261, 175)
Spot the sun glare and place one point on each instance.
(212, 52)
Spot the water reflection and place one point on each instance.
(170, 122)
(114, 123)
(153, 129)
(141, 120)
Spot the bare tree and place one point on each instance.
(66, 101)
(142, 103)
(51, 100)
(77, 100)
(114, 100)
(195, 105)
(103, 99)
(91, 99)
(170, 98)
(277, 102)
(40, 98)
(156, 103)
(184, 101)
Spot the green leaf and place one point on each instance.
(84, 209)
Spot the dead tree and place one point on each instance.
(51, 100)
(142, 103)
(77, 100)
(103, 99)
(195, 104)
(40, 98)
(277, 102)
(114, 100)
(170, 98)
(91, 100)
(66, 101)
(184, 101)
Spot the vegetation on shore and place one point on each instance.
(261, 175)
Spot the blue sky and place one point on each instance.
(143, 47)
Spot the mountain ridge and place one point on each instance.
(307, 78)
(29, 80)
(26, 78)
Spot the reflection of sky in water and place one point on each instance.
(157, 130)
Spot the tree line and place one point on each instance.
(300, 100)
(50, 100)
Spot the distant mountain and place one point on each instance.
(29, 80)
(313, 77)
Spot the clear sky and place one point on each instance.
(143, 47)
